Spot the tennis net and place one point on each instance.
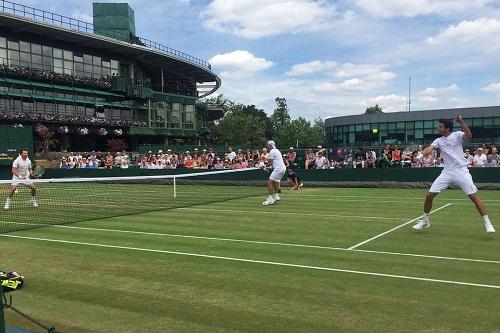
(71, 200)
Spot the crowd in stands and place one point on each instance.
(483, 156)
(60, 118)
(32, 73)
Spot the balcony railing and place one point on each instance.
(82, 26)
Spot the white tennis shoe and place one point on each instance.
(269, 201)
(276, 197)
(34, 203)
(7, 204)
(422, 224)
(489, 227)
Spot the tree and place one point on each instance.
(298, 130)
(319, 127)
(241, 126)
(47, 137)
(280, 117)
(373, 109)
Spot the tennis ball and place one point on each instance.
(374, 131)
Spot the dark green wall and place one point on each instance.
(480, 175)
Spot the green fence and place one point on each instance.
(12, 139)
(352, 176)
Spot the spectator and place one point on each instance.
(388, 153)
(469, 158)
(480, 159)
(320, 161)
(495, 158)
(285, 161)
(265, 154)
(359, 158)
(291, 156)
(415, 161)
(371, 158)
(231, 154)
(108, 162)
(218, 164)
(396, 156)
(428, 161)
(420, 152)
(310, 158)
(64, 164)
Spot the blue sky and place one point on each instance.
(331, 58)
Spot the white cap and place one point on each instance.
(319, 147)
(291, 148)
(271, 143)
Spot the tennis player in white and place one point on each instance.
(455, 170)
(21, 172)
(279, 169)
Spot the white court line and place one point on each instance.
(395, 228)
(260, 262)
(254, 242)
(333, 196)
(289, 213)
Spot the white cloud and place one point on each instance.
(369, 72)
(388, 103)
(432, 96)
(432, 91)
(351, 84)
(253, 19)
(428, 99)
(412, 8)
(239, 64)
(479, 35)
(311, 67)
(492, 87)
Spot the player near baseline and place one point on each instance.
(279, 169)
(455, 170)
(21, 172)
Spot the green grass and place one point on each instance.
(111, 281)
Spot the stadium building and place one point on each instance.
(89, 83)
(406, 128)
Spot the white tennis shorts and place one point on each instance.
(18, 181)
(458, 177)
(277, 174)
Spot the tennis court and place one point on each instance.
(320, 260)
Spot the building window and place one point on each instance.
(13, 57)
(36, 49)
(3, 57)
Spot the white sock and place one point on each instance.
(33, 198)
(426, 216)
(486, 219)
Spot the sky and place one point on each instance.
(330, 58)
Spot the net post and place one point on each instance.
(2, 319)
(175, 191)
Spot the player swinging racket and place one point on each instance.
(21, 172)
(455, 170)
(279, 169)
